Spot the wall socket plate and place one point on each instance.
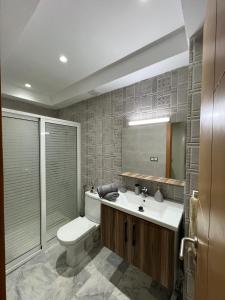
(154, 158)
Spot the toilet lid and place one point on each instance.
(74, 230)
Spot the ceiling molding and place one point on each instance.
(165, 54)
(168, 46)
(142, 42)
(11, 91)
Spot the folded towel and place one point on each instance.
(108, 188)
(111, 196)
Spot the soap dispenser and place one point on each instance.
(158, 195)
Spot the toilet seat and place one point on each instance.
(75, 230)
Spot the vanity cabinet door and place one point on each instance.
(135, 247)
(108, 226)
(121, 233)
(157, 252)
(152, 250)
(167, 257)
(115, 230)
(147, 246)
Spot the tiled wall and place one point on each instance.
(192, 156)
(102, 119)
(27, 107)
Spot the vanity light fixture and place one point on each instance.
(63, 59)
(149, 121)
(27, 85)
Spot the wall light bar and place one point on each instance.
(149, 121)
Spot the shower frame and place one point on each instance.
(42, 141)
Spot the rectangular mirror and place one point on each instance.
(156, 149)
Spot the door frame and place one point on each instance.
(42, 138)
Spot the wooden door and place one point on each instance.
(210, 277)
(220, 41)
(205, 149)
(216, 251)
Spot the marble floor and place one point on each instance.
(103, 275)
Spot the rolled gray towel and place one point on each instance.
(107, 188)
(111, 196)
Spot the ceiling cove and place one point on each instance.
(56, 53)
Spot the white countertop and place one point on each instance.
(167, 213)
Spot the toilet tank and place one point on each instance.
(92, 207)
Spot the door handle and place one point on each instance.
(125, 229)
(134, 235)
(182, 244)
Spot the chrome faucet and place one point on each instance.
(144, 192)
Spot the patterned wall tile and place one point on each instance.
(146, 102)
(194, 104)
(192, 153)
(195, 130)
(129, 91)
(182, 94)
(145, 87)
(163, 101)
(102, 119)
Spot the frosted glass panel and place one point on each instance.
(21, 186)
(61, 176)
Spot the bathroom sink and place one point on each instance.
(167, 213)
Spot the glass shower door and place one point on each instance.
(21, 156)
(61, 176)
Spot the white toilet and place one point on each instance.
(79, 235)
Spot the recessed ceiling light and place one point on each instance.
(63, 59)
(27, 85)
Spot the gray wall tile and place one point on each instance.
(102, 119)
(192, 153)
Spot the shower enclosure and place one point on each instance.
(41, 157)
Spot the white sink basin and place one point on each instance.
(167, 213)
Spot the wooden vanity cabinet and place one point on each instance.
(114, 231)
(147, 246)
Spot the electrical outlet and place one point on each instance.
(154, 158)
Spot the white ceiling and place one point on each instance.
(107, 42)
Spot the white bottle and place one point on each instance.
(158, 195)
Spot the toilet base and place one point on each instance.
(75, 254)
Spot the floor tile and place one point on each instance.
(101, 275)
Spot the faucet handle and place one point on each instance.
(144, 189)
